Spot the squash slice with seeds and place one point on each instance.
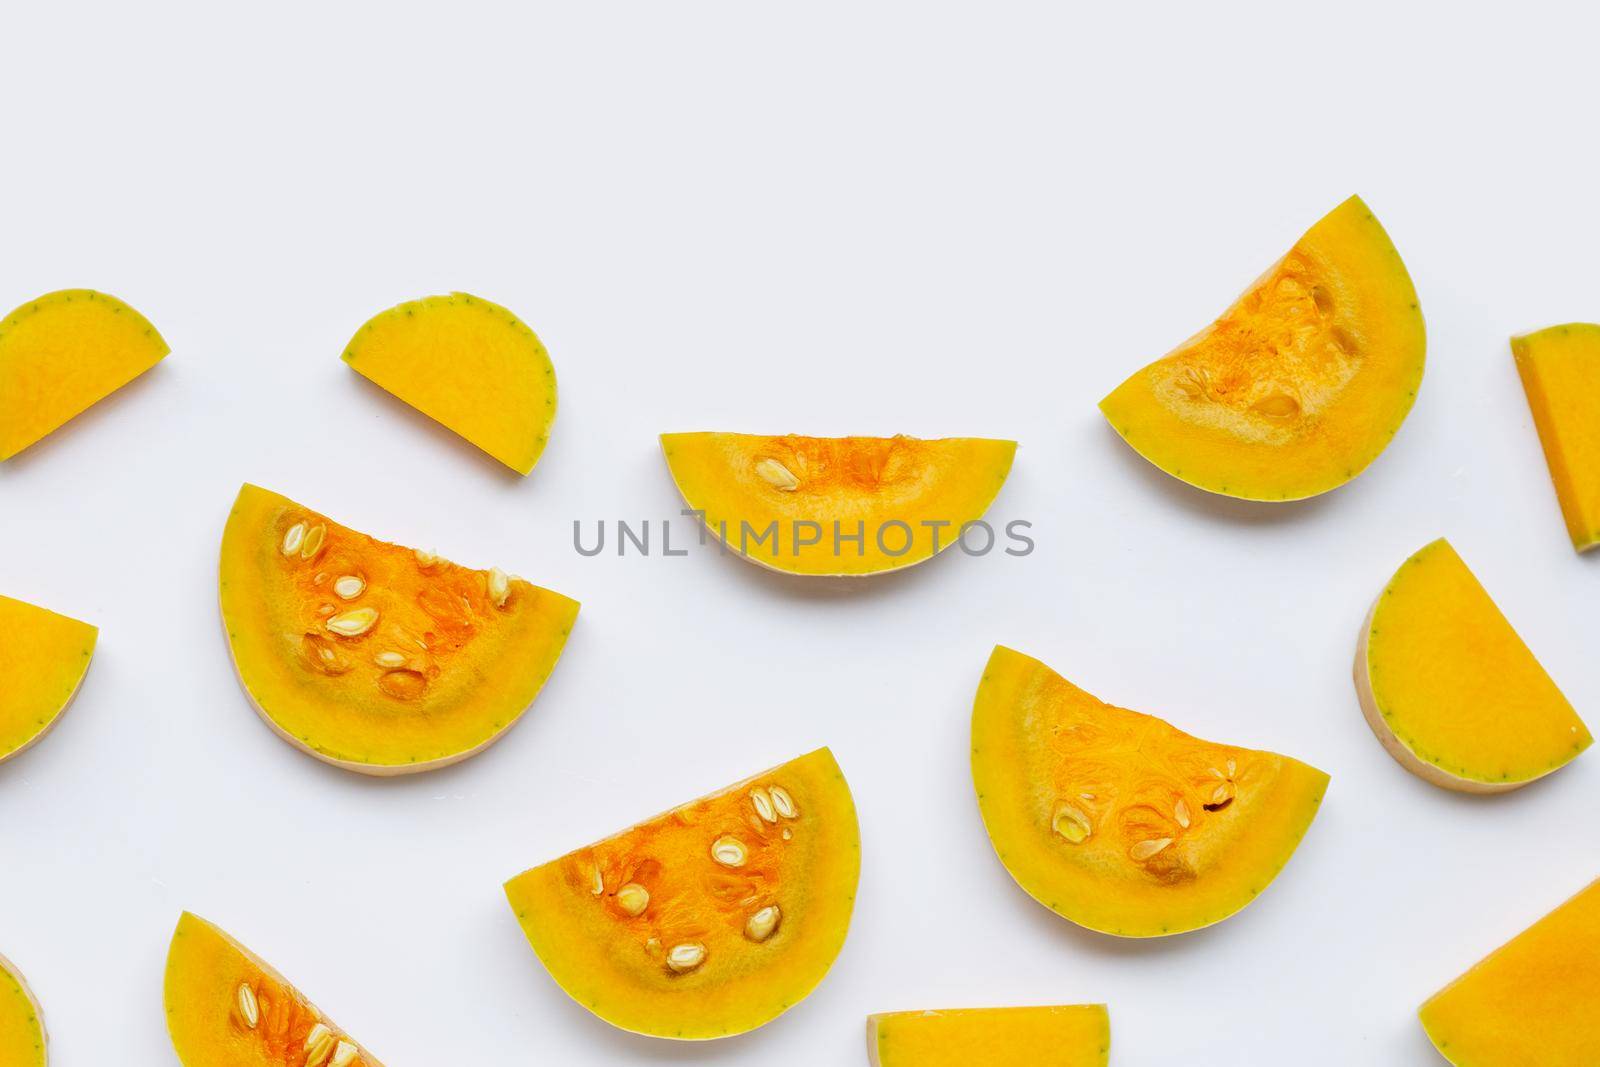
(43, 659)
(1119, 821)
(373, 657)
(1300, 384)
(707, 921)
(227, 1007)
(23, 1041)
(1077, 1035)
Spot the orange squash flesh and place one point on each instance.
(373, 657)
(1560, 369)
(61, 354)
(707, 921)
(23, 1042)
(1119, 821)
(1451, 690)
(1532, 1003)
(468, 364)
(43, 658)
(864, 504)
(227, 1007)
(1300, 384)
(1076, 1035)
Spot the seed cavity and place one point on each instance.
(729, 851)
(763, 804)
(499, 586)
(353, 623)
(1277, 406)
(349, 586)
(686, 957)
(319, 1045)
(1145, 849)
(633, 898)
(344, 1055)
(1323, 299)
(316, 537)
(249, 1010)
(777, 475)
(293, 538)
(1180, 811)
(389, 660)
(1071, 823)
(783, 802)
(763, 923)
(403, 684)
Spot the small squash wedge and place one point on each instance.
(227, 1007)
(1450, 689)
(64, 352)
(468, 364)
(23, 1041)
(1077, 1035)
(1300, 384)
(373, 657)
(711, 919)
(1560, 369)
(837, 505)
(43, 658)
(1532, 1002)
(1119, 821)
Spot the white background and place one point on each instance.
(834, 219)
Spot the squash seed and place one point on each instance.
(426, 557)
(1180, 811)
(319, 1044)
(353, 623)
(349, 586)
(729, 851)
(761, 925)
(315, 538)
(248, 1008)
(343, 1055)
(763, 804)
(389, 660)
(633, 898)
(293, 538)
(783, 802)
(1145, 849)
(1071, 823)
(686, 957)
(777, 475)
(599, 882)
(499, 586)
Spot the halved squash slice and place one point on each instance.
(468, 364)
(1560, 370)
(43, 658)
(1119, 821)
(1450, 689)
(838, 505)
(1077, 1035)
(1300, 384)
(711, 919)
(227, 1007)
(61, 354)
(373, 657)
(1532, 1003)
(23, 1042)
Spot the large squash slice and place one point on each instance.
(1119, 821)
(1300, 384)
(23, 1042)
(1533, 1002)
(1560, 370)
(373, 657)
(227, 1007)
(838, 505)
(1076, 1035)
(711, 919)
(1451, 690)
(43, 658)
(61, 354)
(468, 364)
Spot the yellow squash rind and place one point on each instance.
(23, 1040)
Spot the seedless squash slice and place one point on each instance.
(227, 1007)
(1300, 384)
(838, 505)
(1560, 370)
(373, 657)
(1077, 1035)
(1119, 821)
(707, 921)
(43, 658)
(23, 1041)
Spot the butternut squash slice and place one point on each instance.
(707, 921)
(1300, 384)
(1119, 821)
(1560, 369)
(469, 365)
(838, 505)
(1076, 1035)
(23, 1041)
(227, 1007)
(1450, 689)
(1532, 1002)
(377, 658)
(43, 658)
(63, 353)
